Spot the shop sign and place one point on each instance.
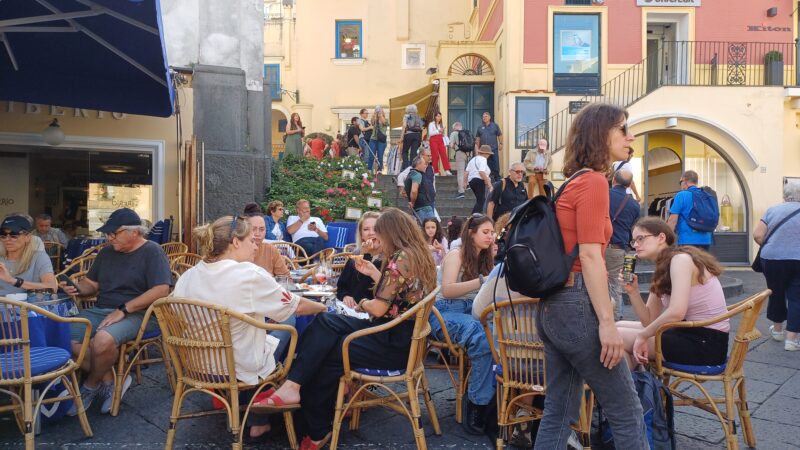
(667, 2)
(574, 107)
(768, 28)
(58, 111)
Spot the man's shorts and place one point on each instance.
(123, 331)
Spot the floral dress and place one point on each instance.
(400, 289)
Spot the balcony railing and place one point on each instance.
(679, 63)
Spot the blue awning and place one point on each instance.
(95, 54)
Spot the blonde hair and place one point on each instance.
(399, 231)
(25, 259)
(217, 236)
(367, 215)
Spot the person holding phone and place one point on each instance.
(294, 136)
(307, 231)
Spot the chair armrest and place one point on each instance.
(287, 364)
(383, 327)
(87, 333)
(488, 331)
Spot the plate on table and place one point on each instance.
(315, 287)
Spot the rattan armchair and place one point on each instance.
(80, 264)
(187, 258)
(197, 336)
(54, 250)
(349, 248)
(22, 366)
(731, 374)
(413, 376)
(171, 248)
(289, 263)
(94, 250)
(321, 255)
(518, 351)
(293, 251)
(340, 258)
(455, 362)
(83, 301)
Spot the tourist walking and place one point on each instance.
(410, 135)
(489, 134)
(477, 176)
(436, 137)
(377, 142)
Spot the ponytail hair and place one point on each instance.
(217, 236)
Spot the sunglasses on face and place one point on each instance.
(11, 235)
(624, 128)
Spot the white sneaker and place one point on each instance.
(792, 345)
(108, 394)
(521, 436)
(777, 335)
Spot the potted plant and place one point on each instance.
(773, 68)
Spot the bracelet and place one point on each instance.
(19, 282)
(481, 279)
(361, 303)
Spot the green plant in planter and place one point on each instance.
(321, 183)
(773, 68)
(773, 55)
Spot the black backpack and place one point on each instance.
(466, 143)
(535, 264)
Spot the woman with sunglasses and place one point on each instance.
(576, 323)
(463, 273)
(276, 228)
(685, 287)
(227, 277)
(22, 267)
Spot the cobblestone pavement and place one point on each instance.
(773, 385)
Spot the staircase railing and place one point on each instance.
(678, 63)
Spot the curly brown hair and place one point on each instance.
(587, 140)
(662, 282)
(472, 262)
(399, 231)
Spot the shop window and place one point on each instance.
(531, 112)
(576, 54)
(348, 39)
(272, 76)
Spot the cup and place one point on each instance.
(283, 282)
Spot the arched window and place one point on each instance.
(470, 65)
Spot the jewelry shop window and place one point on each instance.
(348, 39)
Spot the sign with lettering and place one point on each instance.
(574, 107)
(667, 2)
(58, 111)
(768, 28)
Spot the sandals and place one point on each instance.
(308, 444)
(278, 405)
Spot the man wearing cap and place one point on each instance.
(126, 277)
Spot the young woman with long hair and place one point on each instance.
(577, 323)
(434, 236)
(227, 277)
(378, 139)
(436, 135)
(685, 287)
(463, 272)
(294, 136)
(407, 276)
(353, 285)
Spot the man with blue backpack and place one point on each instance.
(694, 213)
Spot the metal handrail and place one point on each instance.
(678, 63)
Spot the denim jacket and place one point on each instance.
(271, 224)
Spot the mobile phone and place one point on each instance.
(69, 281)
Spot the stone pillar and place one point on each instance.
(230, 121)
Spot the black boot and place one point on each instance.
(474, 418)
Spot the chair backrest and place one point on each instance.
(336, 270)
(340, 258)
(175, 247)
(85, 262)
(14, 340)
(520, 350)
(289, 262)
(188, 258)
(290, 249)
(54, 251)
(179, 268)
(82, 301)
(349, 248)
(337, 237)
(750, 308)
(198, 338)
(422, 329)
(94, 250)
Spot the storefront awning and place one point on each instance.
(95, 54)
(425, 98)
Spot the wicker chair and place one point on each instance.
(349, 248)
(289, 263)
(731, 374)
(54, 251)
(22, 366)
(323, 254)
(83, 301)
(291, 250)
(340, 258)
(413, 376)
(135, 354)
(94, 250)
(190, 259)
(456, 364)
(521, 371)
(203, 360)
(174, 247)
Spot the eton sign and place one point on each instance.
(667, 2)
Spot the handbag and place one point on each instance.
(756, 266)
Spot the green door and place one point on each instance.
(466, 103)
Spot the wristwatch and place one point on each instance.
(18, 282)
(123, 308)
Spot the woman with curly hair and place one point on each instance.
(685, 287)
(576, 323)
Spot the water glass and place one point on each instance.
(283, 282)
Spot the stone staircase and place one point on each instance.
(446, 189)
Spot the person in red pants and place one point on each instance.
(438, 149)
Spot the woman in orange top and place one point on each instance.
(577, 323)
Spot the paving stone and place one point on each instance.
(703, 429)
(780, 409)
(792, 387)
(770, 373)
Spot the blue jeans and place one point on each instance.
(426, 212)
(783, 277)
(364, 149)
(569, 329)
(376, 152)
(494, 163)
(284, 337)
(311, 244)
(468, 333)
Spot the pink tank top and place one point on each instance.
(706, 301)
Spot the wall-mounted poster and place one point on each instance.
(576, 45)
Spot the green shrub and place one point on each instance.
(773, 55)
(321, 183)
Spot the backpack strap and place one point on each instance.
(771, 232)
(620, 208)
(563, 186)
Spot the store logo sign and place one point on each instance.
(667, 2)
(768, 28)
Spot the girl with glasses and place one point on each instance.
(685, 287)
(22, 267)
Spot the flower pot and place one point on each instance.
(773, 73)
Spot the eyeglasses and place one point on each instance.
(681, 181)
(11, 235)
(639, 239)
(624, 128)
(114, 234)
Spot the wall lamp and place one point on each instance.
(672, 122)
(772, 12)
(53, 134)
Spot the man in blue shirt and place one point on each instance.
(489, 134)
(682, 205)
(624, 212)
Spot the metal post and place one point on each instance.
(796, 55)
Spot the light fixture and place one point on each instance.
(114, 168)
(772, 12)
(431, 70)
(53, 134)
(672, 122)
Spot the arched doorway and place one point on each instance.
(470, 96)
(279, 121)
(661, 156)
